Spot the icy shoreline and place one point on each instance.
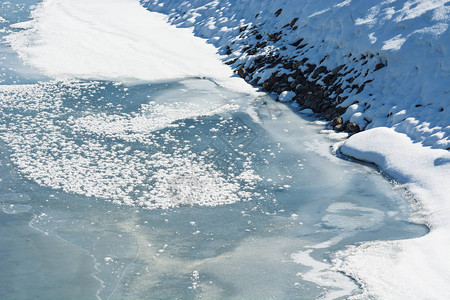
(383, 64)
(382, 67)
(414, 268)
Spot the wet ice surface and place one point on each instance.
(178, 190)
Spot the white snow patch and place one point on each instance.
(306, 111)
(115, 40)
(286, 96)
(321, 274)
(416, 268)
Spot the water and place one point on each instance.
(176, 190)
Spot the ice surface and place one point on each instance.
(221, 200)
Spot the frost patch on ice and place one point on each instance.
(120, 157)
(151, 117)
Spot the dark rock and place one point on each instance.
(339, 127)
(243, 28)
(336, 70)
(352, 127)
(297, 43)
(379, 66)
(293, 85)
(260, 45)
(251, 51)
(293, 22)
(278, 12)
(319, 70)
(232, 61)
(274, 37)
(329, 80)
(336, 121)
(311, 68)
(258, 37)
(242, 73)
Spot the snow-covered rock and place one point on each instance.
(286, 96)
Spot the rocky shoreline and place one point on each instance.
(359, 65)
(315, 86)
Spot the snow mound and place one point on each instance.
(286, 96)
(416, 268)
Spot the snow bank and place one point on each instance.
(115, 40)
(424, 171)
(409, 269)
(410, 38)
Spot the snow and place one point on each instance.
(286, 96)
(115, 40)
(410, 269)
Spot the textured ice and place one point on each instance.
(101, 154)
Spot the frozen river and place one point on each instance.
(175, 190)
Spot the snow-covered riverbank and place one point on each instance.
(387, 61)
